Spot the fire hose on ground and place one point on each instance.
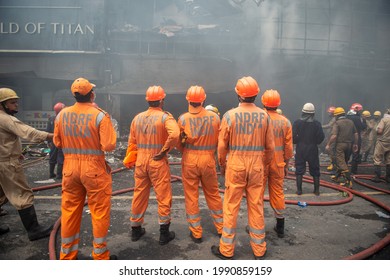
(348, 191)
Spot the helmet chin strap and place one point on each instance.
(8, 111)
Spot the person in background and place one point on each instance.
(278, 168)
(56, 155)
(373, 135)
(366, 143)
(382, 148)
(84, 133)
(245, 147)
(327, 129)
(307, 135)
(13, 182)
(199, 130)
(213, 108)
(153, 133)
(354, 114)
(345, 138)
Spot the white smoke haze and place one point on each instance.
(328, 52)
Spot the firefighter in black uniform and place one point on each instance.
(354, 114)
(307, 135)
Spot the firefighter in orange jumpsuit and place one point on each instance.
(84, 133)
(199, 139)
(154, 132)
(278, 168)
(246, 140)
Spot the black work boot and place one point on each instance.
(377, 174)
(4, 230)
(30, 222)
(215, 251)
(59, 171)
(387, 174)
(279, 227)
(196, 240)
(299, 184)
(347, 180)
(137, 232)
(51, 170)
(316, 181)
(165, 234)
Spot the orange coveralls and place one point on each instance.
(153, 131)
(84, 133)
(198, 165)
(246, 134)
(274, 172)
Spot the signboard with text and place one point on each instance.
(51, 25)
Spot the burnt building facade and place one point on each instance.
(333, 52)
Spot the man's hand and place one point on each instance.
(222, 168)
(285, 170)
(160, 155)
(355, 148)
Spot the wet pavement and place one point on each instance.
(333, 226)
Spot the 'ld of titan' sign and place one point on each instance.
(41, 27)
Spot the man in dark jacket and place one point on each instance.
(307, 135)
(354, 114)
(56, 155)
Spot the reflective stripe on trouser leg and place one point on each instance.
(275, 188)
(72, 204)
(194, 224)
(99, 190)
(190, 178)
(255, 206)
(100, 251)
(69, 247)
(213, 198)
(140, 197)
(217, 216)
(160, 176)
(231, 207)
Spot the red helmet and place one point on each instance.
(271, 98)
(58, 107)
(331, 109)
(356, 107)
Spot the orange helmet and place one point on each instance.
(271, 98)
(155, 93)
(356, 107)
(58, 107)
(331, 109)
(196, 94)
(82, 86)
(247, 87)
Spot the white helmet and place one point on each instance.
(212, 108)
(308, 108)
